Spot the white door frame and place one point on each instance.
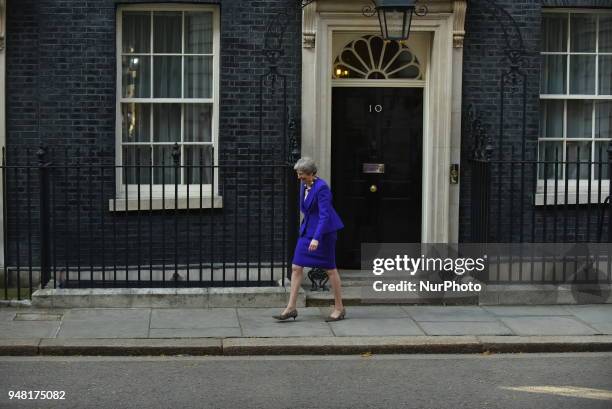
(439, 102)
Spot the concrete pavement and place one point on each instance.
(252, 331)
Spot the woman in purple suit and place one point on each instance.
(316, 246)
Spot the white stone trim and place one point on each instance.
(169, 203)
(459, 10)
(441, 99)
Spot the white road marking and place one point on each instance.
(570, 391)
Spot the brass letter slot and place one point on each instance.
(373, 168)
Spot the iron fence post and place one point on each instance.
(292, 216)
(45, 240)
(480, 201)
(293, 192)
(481, 173)
(609, 192)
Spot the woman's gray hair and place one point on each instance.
(306, 165)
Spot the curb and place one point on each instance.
(305, 345)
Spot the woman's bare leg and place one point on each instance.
(334, 279)
(297, 273)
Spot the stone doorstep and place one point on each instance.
(306, 345)
(230, 297)
(511, 294)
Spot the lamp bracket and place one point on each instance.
(370, 9)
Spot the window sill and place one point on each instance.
(133, 205)
(582, 198)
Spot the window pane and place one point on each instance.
(578, 153)
(605, 34)
(167, 77)
(554, 32)
(165, 171)
(136, 165)
(582, 32)
(136, 122)
(601, 160)
(582, 74)
(603, 119)
(166, 123)
(136, 32)
(198, 123)
(198, 33)
(551, 118)
(550, 155)
(167, 29)
(198, 77)
(553, 74)
(136, 77)
(198, 161)
(579, 119)
(605, 75)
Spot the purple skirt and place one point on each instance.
(323, 257)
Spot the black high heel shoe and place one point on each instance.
(338, 318)
(282, 317)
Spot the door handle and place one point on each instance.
(373, 188)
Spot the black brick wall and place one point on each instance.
(61, 90)
(512, 216)
(484, 64)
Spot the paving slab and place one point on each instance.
(465, 328)
(104, 329)
(528, 310)
(375, 327)
(349, 345)
(193, 346)
(197, 318)
(391, 311)
(21, 316)
(603, 328)
(448, 314)
(258, 322)
(592, 313)
(7, 315)
(547, 326)
(28, 329)
(105, 323)
(107, 313)
(211, 332)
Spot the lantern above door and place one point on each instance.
(395, 17)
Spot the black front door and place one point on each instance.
(377, 140)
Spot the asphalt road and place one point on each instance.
(385, 381)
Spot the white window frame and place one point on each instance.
(576, 193)
(129, 200)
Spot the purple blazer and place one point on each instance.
(319, 215)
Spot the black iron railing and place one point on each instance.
(517, 201)
(74, 219)
(544, 201)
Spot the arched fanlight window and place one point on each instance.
(371, 57)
